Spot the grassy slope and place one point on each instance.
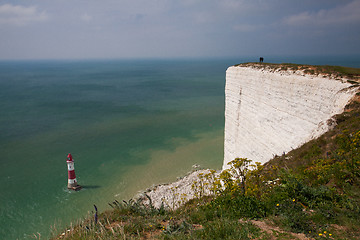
(316, 194)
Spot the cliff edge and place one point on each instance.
(272, 109)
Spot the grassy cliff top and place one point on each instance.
(332, 71)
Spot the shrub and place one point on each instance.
(235, 205)
(227, 229)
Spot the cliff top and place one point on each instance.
(337, 72)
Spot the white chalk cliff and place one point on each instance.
(269, 112)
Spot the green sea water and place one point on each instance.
(129, 124)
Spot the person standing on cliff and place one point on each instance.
(261, 59)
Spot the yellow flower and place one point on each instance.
(294, 200)
(277, 205)
(325, 232)
(320, 234)
(330, 234)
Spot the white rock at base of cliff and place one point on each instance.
(268, 112)
(173, 195)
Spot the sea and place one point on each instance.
(129, 124)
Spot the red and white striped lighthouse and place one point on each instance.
(72, 183)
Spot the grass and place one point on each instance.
(291, 198)
(352, 74)
(313, 192)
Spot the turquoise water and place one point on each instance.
(117, 118)
(128, 124)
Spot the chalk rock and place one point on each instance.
(271, 112)
(174, 194)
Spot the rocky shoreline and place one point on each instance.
(173, 195)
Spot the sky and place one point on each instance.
(108, 29)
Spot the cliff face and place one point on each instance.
(269, 112)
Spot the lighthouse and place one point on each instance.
(72, 183)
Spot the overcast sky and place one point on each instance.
(83, 29)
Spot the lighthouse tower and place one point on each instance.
(72, 183)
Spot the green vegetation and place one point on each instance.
(334, 71)
(302, 192)
(313, 192)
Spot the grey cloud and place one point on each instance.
(344, 14)
(176, 28)
(20, 15)
(86, 17)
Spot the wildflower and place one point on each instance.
(277, 205)
(330, 234)
(294, 200)
(320, 234)
(325, 232)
